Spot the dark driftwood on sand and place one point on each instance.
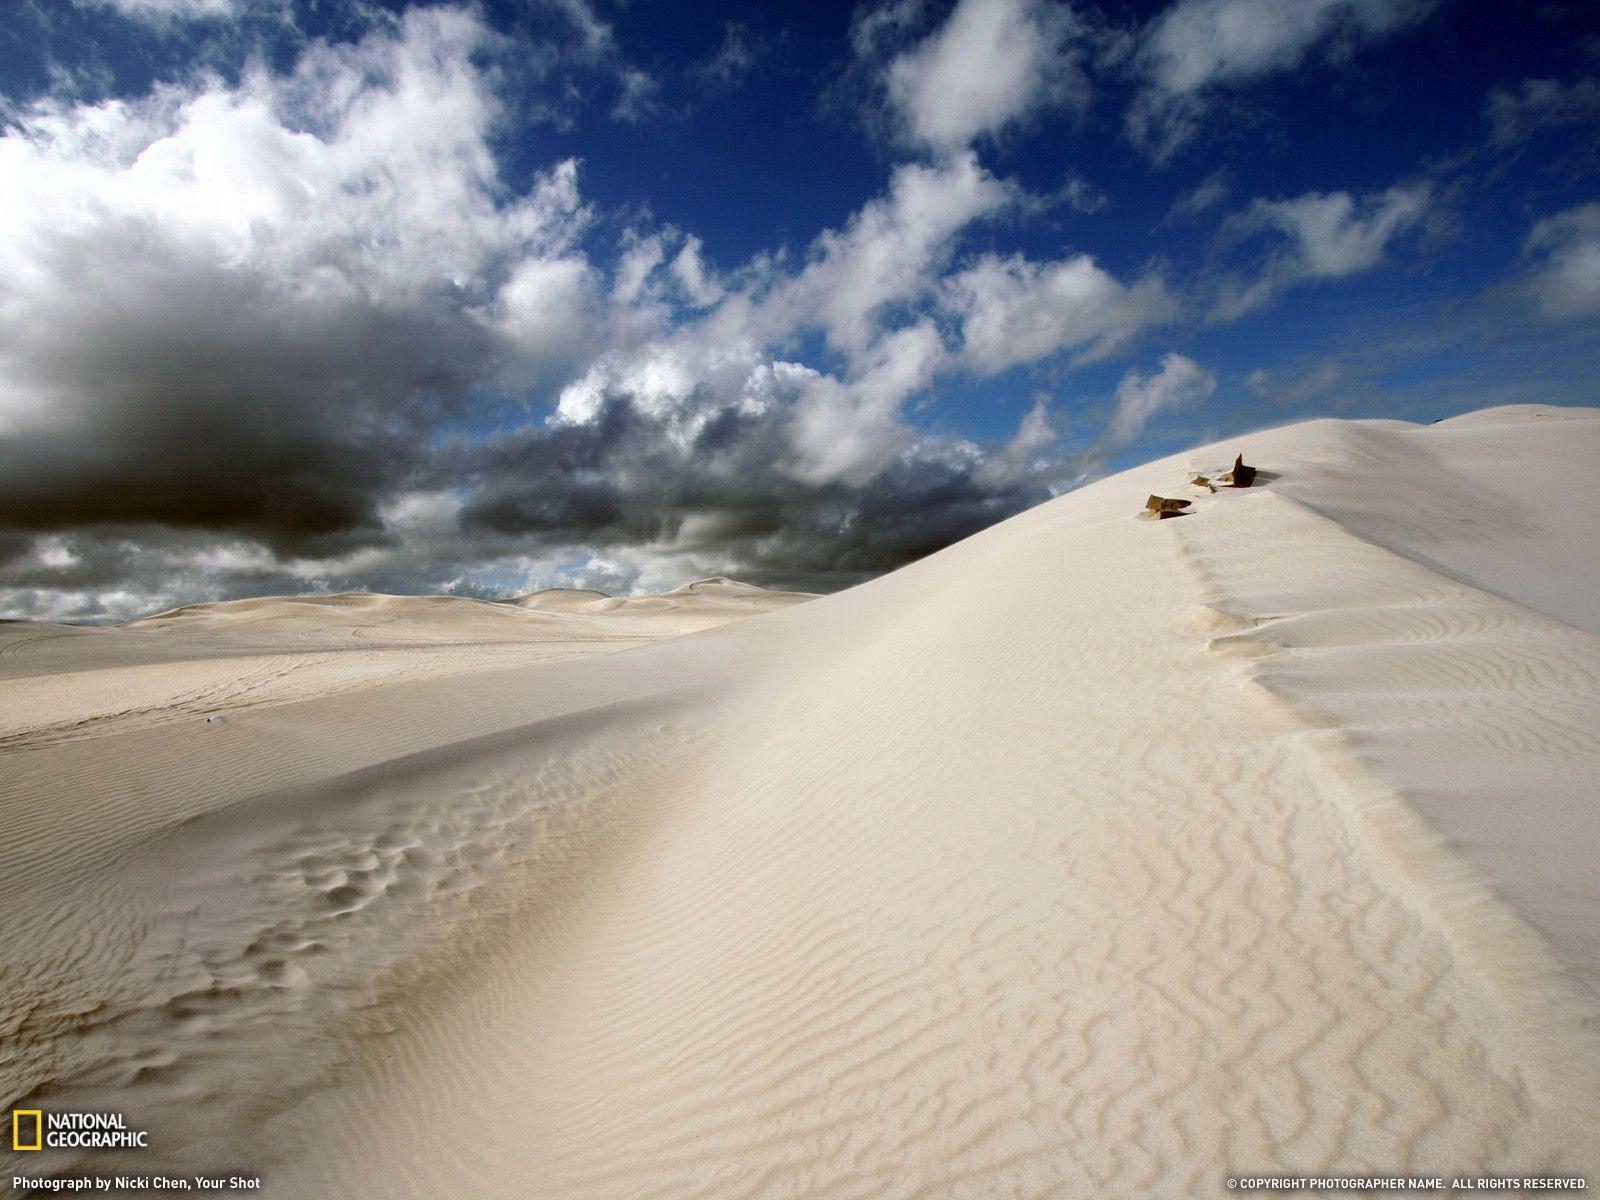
(1241, 475)
(1163, 507)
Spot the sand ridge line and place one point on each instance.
(1282, 650)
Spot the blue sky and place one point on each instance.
(310, 296)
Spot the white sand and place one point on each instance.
(1093, 856)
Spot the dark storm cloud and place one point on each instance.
(197, 399)
(245, 310)
(622, 480)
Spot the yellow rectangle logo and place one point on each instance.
(16, 1128)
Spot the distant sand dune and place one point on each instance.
(59, 683)
(1091, 856)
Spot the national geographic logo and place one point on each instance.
(23, 1119)
(34, 1129)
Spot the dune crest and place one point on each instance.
(1091, 856)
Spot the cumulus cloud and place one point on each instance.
(890, 250)
(852, 287)
(991, 63)
(1198, 48)
(1565, 279)
(1140, 397)
(235, 307)
(1321, 235)
(850, 432)
(294, 332)
(1024, 453)
(855, 286)
(1334, 235)
(1013, 310)
(694, 278)
(711, 502)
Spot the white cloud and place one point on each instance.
(1140, 397)
(872, 288)
(1077, 194)
(162, 11)
(1200, 46)
(694, 278)
(547, 310)
(595, 34)
(1323, 379)
(1565, 281)
(735, 58)
(361, 182)
(1211, 191)
(641, 256)
(247, 309)
(1024, 450)
(873, 27)
(217, 559)
(1516, 114)
(888, 252)
(369, 161)
(1338, 236)
(1329, 235)
(55, 553)
(861, 286)
(848, 432)
(837, 428)
(413, 511)
(680, 380)
(991, 63)
(638, 96)
(1197, 43)
(1015, 311)
(650, 275)
(291, 327)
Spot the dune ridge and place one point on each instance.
(1092, 855)
(1398, 667)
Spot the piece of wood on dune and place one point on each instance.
(1202, 481)
(1241, 476)
(1162, 507)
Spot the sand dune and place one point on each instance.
(703, 604)
(218, 659)
(1095, 855)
